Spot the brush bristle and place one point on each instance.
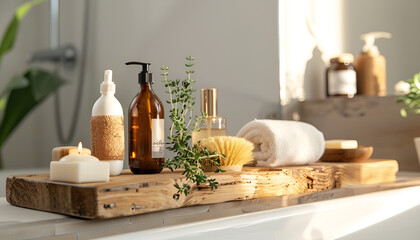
(237, 151)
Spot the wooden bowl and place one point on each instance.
(359, 154)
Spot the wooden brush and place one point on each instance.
(237, 151)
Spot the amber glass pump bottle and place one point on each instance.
(146, 127)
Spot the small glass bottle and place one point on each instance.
(213, 125)
(341, 76)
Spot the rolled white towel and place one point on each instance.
(282, 143)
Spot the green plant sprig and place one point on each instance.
(184, 123)
(412, 98)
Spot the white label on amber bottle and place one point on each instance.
(158, 138)
(342, 82)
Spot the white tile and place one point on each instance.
(27, 230)
(146, 217)
(175, 220)
(74, 225)
(109, 231)
(10, 213)
(60, 237)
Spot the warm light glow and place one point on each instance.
(133, 154)
(308, 38)
(80, 147)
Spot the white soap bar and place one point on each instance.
(79, 168)
(341, 144)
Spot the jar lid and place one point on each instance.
(334, 59)
(346, 58)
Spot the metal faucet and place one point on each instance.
(64, 55)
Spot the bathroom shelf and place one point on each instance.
(129, 194)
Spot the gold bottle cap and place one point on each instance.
(209, 101)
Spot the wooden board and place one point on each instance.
(369, 172)
(129, 194)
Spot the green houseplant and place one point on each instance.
(25, 91)
(412, 98)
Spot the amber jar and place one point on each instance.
(341, 76)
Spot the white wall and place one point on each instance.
(235, 44)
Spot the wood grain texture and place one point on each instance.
(129, 194)
(359, 154)
(368, 172)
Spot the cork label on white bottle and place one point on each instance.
(107, 136)
(158, 138)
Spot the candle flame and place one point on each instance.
(80, 147)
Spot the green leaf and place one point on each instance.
(23, 9)
(45, 83)
(403, 112)
(399, 100)
(416, 81)
(22, 100)
(9, 36)
(2, 103)
(16, 83)
(414, 103)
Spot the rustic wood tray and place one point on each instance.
(129, 194)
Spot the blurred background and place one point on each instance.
(262, 56)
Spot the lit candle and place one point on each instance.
(78, 155)
(79, 167)
(59, 152)
(79, 150)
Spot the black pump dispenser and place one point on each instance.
(144, 76)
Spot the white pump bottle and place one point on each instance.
(107, 127)
(370, 38)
